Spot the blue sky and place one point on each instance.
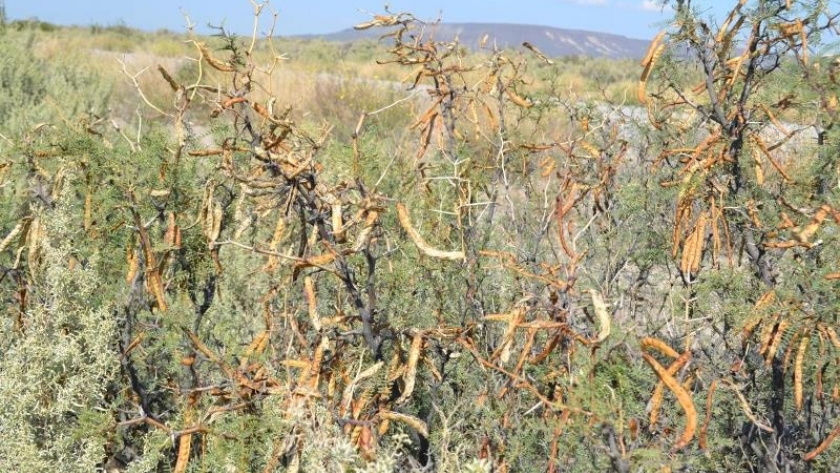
(633, 18)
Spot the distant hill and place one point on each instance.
(554, 42)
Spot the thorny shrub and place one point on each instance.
(514, 283)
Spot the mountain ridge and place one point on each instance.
(552, 41)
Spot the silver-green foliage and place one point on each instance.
(54, 373)
(38, 91)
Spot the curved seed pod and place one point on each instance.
(701, 439)
(692, 251)
(767, 332)
(347, 396)
(185, 442)
(14, 233)
(592, 150)
(539, 53)
(318, 261)
(256, 347)
(682, 397)
(367, 229)
(824, 445)
(808, 231)
(424, 247)
(361, 402)
(309, 291)
(355, 434)
(216, 226)
(745, 406)
(383, 426)
(654, 51)
(682, 214)
(276, 239)
(791, 345)
(293, 363)
(411, 369)
(693, 248)
(315, 368)
(659, 390)
(766, 299)
(762, 146)
(654, 44)
(518, 99)
(428, 115)
(411, 421)
(797, 371)
(395, 371)
(214, 63)
(133, 263)
(603, 316)
(832, 335)
(183, 454)
(776, 340)
(659, 345)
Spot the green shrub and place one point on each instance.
(56, 368)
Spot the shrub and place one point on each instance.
(496, 273)
(59, 358)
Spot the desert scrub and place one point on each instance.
(55, 368)
(36, 90)
(278, 313)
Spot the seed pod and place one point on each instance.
(603, 316)
(410, 376)
(411, 421)
(683, 398)
(797, 372)
(424, 247)
(214, 63)
(654, 51)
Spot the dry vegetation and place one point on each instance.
(252, 254)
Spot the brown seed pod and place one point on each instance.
(701, 438)
(347, 396)
(133, 263)
(410, 376)
(660, 346)
(184, 447)
(603, 316)
(797, 372)
(424, 247)
(683, 398)
(693, 247)
(309, 291)
(776, 338)
(824, 445)
(411, 421)
(214, 63)
(12, 234)
(518, 99)
(659, 390)
(654, 51)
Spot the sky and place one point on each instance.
(633, 18)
